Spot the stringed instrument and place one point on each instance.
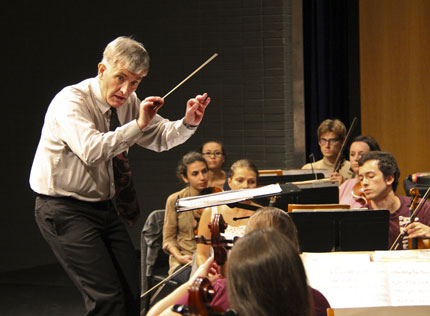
(218, 242)
(358, 193)
(414, 210)
(200, 294)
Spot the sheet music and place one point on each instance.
(358, 282)
(409, 283)
(226, 197)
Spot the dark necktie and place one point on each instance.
(126, 201)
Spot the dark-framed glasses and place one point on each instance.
(330, 141)
(210, 153)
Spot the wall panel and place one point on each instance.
(395, 73)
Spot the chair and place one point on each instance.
(154, 261)
(292, 207)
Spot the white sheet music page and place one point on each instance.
(352, 280)
(226, 197)
(409, 283)
(347, 280)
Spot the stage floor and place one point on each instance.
(44, 290)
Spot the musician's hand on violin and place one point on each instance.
(196, 108)
(148, 109)
(417, 230)
(209, 268)
(336, 176)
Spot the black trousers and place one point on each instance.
(93, 246)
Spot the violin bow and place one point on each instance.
(166, 279)
(412, 219)
(338, 163)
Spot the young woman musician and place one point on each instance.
(242, 175)
(213, 152)
(178, 230)
(265, 277)
(350, 191)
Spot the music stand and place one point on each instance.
(340, 230)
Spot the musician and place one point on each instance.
(178, 228)
(360, 145)
(214, 153)
(242, 175)
(265, 277)
(331, 134)
(73, 177)
(264, 217)
(379, 175)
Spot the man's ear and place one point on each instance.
(389, 179)
(102, 68)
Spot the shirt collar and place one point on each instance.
(100, 101)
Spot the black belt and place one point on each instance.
(105, 205)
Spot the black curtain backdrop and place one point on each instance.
(331, 66)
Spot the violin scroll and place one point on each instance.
(219, 243)
(358, 193)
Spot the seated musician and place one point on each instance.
(178, 229)
(265, 277)
(379, 175)
(214, 153)
(349, 190)
(331, 134)
(265, 217)
(242, 175)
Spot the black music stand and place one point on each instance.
(342, 230)
(313, 193)
(269, 179)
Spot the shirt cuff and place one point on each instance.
(189, 126)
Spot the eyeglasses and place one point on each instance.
(209, 154)
(330, 141)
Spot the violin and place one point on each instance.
(358, 193)
(414, 210)
(200, 294)
(218, 242)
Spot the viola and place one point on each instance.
(358, 193)
(218, 242)
(413, 210)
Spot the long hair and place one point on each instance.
(275, 218)
(266, 276)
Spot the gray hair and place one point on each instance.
(128, 53)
